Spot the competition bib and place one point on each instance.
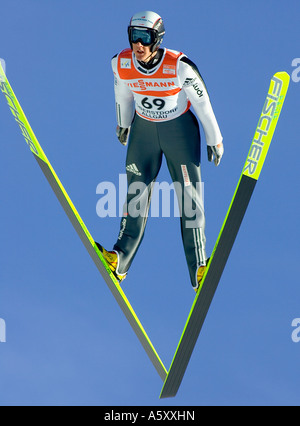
(158, 96)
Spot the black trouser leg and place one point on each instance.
(143, 162)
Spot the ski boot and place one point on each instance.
(112, 260)
(200, 275)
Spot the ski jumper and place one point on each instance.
(155, 102)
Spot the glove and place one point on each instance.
(123, 134)
(217, 151)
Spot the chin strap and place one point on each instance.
(148, 60)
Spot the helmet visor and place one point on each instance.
(145, 36)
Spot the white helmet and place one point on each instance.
(148, 28)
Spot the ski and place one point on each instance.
(78, 224)
(237, 209)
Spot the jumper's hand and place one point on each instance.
(216, 151)
(123, 134)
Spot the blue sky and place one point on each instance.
(68, 343)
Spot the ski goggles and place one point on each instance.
(145, 36)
